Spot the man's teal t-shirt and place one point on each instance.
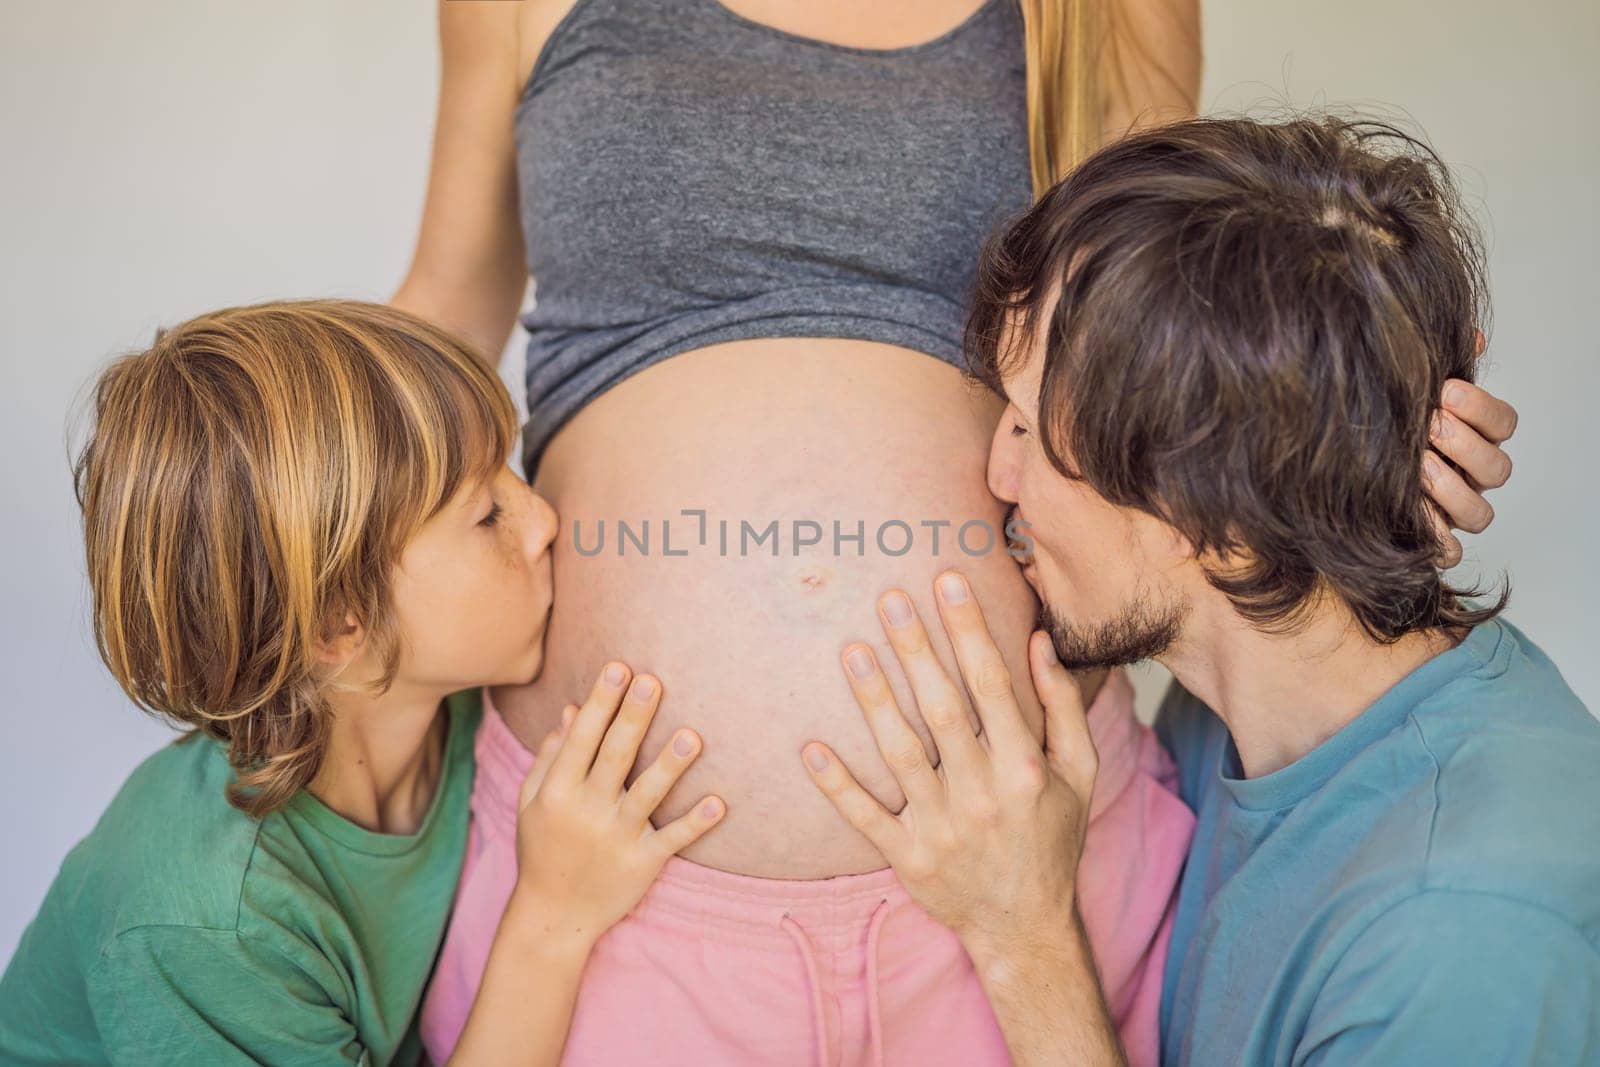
(1423, 887)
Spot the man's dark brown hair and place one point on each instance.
(1253, 327)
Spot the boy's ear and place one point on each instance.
(341, 641)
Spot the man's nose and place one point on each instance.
(1002, 472)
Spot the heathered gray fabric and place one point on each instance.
(689, 176)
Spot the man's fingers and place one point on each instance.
(1067, 742)
(688, 828)
(984, 670)
(858, 807)
(620, 747)
(1493, 418)
(939, 700)
(898, 744)
(589, 725)
(648, 790)
(1485, 463)
(1463, 505)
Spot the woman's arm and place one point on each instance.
(586, 853)
(467, 273)
(1152, 72)
(1152, 76)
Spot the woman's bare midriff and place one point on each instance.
(699, 456)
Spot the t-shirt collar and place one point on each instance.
(1289, 785)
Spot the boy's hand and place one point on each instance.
(586, 851)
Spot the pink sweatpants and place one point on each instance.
(715, 969)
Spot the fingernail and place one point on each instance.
(1454, 394)
(614, 674)
(712, 808)
(816, 758)
(683, 744)
(953, 589)
(859, 662)
(1441, 425)
(644, 688)
(897, 609)
(1432, 466)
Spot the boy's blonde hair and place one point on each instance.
(251, 479)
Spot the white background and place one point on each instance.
(162, 159)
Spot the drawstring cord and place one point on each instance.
(819, 1023)
(874, 1009)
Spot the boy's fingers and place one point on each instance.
(589, 725)
(899, 745)
(857, 806)
(620, 747)
(545, 755)
(648, 790)
(688, 828)
(1067, 743)
(984, 670)
(939, 700)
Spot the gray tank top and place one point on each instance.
(689, 176)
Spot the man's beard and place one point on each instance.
(1139, 632)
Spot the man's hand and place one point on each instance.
(989, 843)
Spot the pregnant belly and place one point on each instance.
(728, 519)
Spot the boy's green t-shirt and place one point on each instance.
(183, 931)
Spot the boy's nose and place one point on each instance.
(545, 525)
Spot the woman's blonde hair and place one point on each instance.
(249, 481)
(1077, 53)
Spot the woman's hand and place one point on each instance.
(1469, 429)
(586, 851)
(988, 844)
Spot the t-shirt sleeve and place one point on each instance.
(1460, 977)
(188, 995)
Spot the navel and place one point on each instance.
(813, 578)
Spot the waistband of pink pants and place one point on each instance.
(746, 908)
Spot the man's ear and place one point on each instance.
(1165, 539)
(340, 642)
(1180, 548)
